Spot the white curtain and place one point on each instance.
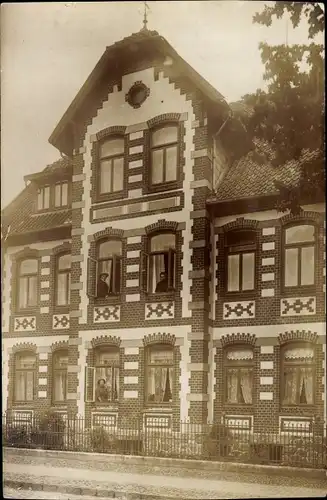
(232, 382)
(20, 386)
(306, 380)
(116, 384)
(60, 386)
(151, 382)
(23, 292)
(158, 267)
(290, 377)
(246, 385)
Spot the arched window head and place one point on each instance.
(164, 154)
(162, 263)
(159, 374)
(60, 379)
(111, 158)
(241, 246)
(25, 376)
(109, 267)
(238, 372)
(299, 255)
(297, 380)
(63, 279)
(27, 283)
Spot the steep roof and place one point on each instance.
(253, 175)
(111, 55)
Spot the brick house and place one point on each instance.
(147, 274)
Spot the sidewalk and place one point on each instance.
(88, 482)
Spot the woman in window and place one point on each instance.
(109, 268)
(107, 375)
(162, 262)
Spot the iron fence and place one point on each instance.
(296, 447)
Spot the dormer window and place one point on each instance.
(43, 198)
(61, 194)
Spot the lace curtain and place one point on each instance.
(239, 386)
(298, 385)
(24, 386)
(60, 386)
(160, 384)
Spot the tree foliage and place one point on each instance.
(289, 116)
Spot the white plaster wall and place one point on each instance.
(8, 343)
(211, 378)
(270, 330)
(163, 98)
(184, 380)
(47, 245)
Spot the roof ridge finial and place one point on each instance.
(145, 18)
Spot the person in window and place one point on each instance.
(103, 287)
(162, 285)
(101, 393)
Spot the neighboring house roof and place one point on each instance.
(110, 57)
(254, 176)
(43, 221)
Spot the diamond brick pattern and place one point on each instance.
(25, 324)
(106, 314)
(298, 306)
(160, 310)
(239, 310)
(60, 321)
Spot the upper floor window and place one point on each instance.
(241, 245)
(63, 280)
(111, 157)
(27, 283)
(297, 381)
(239, 375)
(61, 194)
(159, 374)
(25, 376)
(43, 198)
(164, 154)
(60, 380)
(299, 255)
(109, 267)
(161, 263)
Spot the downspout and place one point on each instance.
(230, 115)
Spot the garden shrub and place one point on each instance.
(17, 436)
(218, 443)
(101, 441)
(48, 433)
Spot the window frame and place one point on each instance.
(41, 190)
(297, 364)
(165, 185)
(56, 370)
(20, 370)
(60, 183)
(238, 365)
(97, 351)
(242, 249)
(114, 258)
(67, 272)
(112, 194)
(147, 266)
(159, 347)
(28, 276)
(299, 246)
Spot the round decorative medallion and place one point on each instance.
(137, 94)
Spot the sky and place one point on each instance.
(49, 49)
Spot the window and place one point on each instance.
(298, 374)
(27, 288)
(160, 264)
(106, 375)
(109, 268)
(111, 179)
(239, 375)
(60, 364)
(63, 280)
(61, 194)
(24, 378)
(43, 198)
(241, 260)
(164, 154)
(299, 248)
(159, 376)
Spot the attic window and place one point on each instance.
(43, 199)
(137, 94)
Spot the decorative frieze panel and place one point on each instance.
(105, 420)
(296, 425)
(157, 421)
(298, 306)
(106, 314)
(160, 310)
(25, 324)
(235, 422)
(239, 310)
(60, 321)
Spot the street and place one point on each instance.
(44, 495)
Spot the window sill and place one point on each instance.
(61, 309)
(246, 295)
(300, 290)
(298, 408)
(160, 408)
(161, 297)
(100, 198)
(111, 299)
(106, 406)
(166, 186)
(32, 310)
